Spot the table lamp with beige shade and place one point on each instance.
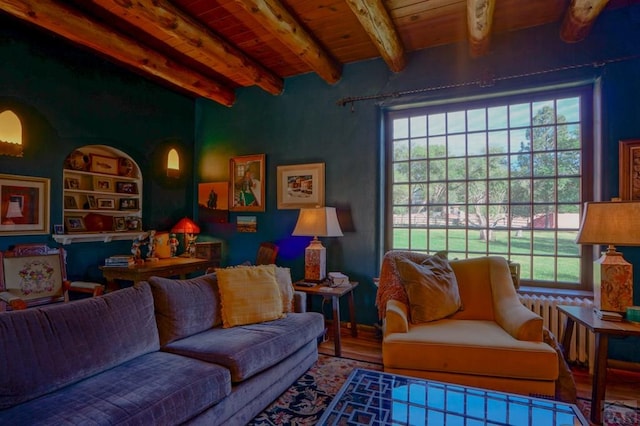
(316, 222)
(613, 223)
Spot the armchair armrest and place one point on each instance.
(519, 321)
(95, 289)
(15, 302)
(299, 301)
(396, 319)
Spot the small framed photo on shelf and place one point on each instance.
(104, 184)
(106, 203)
(126, 187)
(119, 224)
(70, 202)
(133, 223)
(75, 224)
(91, 202)
(71, 183)
(58, 229)
(103, 164)
(128, 204)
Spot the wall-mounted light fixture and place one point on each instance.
(10, 134)
(173, 163)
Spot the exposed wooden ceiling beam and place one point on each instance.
(272, 15)
(72, 25)
(479, 22)
(579, 18)
(162, 20)
(377, 23)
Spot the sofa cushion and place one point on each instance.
(185, 307)
(153, 389)
(469, 347)
(68, 342)
(431, 288)
(283, 278)
(249, 294)
(248, 349)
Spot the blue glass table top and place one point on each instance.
(377, 398)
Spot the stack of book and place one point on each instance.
(119, 260)
(608, 315)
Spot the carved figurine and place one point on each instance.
(173, 244)
(191, 245)
(152, 242)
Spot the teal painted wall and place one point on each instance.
(305, 125)
(71, 98)
(68, 98)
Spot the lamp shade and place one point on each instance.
(318, 222)
(611, 223)
(186, 226)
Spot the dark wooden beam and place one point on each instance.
(74, 26)
(162, 20)
(273, 16)
(479, 22)
(377, 23)
(579, 18)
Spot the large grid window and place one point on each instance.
(500, 177)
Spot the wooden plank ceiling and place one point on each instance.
(209, 48)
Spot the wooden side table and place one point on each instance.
(602, 330)
(173, 266)
(334, 293)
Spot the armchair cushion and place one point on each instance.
(431, 286)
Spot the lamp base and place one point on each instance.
(315, 261)
(613, 282)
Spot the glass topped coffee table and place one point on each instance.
(377, 398)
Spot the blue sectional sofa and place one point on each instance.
(150, 354)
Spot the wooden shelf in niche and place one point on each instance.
(102, 196)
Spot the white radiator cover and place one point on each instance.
(582, 348)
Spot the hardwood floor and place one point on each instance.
(622, 385)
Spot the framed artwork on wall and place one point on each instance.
(24, 205)
(213, 202)
(247, 183)
(629, 179)
(300, 186)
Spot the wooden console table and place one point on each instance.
(173, 266)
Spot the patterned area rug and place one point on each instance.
(624, 413)
(305, 401)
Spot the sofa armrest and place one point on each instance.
(15, 302)
(396, 319)
(519, 321)
(299, 301)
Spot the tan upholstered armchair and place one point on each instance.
(493, 342)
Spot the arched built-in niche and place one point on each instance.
(102, 196)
